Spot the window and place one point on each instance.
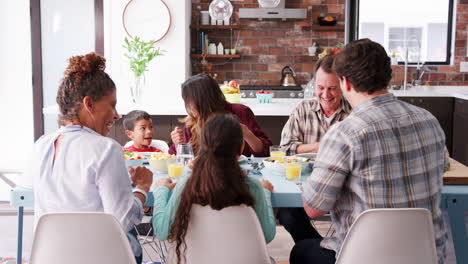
(423, 28)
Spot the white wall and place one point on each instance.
(16, 111)
(166, 73)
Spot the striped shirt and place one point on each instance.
(307, 124)
(385, 154)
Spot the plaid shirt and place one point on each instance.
(385, 154)
(307, 124)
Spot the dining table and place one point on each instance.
(288, 194)
(454, 197)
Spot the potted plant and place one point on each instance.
(139, 54)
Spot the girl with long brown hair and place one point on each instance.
(217, 180)
(203, 99)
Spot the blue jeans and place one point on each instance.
(133, 233)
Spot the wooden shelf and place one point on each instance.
(210, 56)
(327, 28)
(207, 27)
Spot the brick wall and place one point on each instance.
(269, 45)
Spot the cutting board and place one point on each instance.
(457, 174)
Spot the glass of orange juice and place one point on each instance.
(293, 172)
(277, 151)
(175, 169)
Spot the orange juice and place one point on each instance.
(175, 170)
(293, 171)
(277, 154)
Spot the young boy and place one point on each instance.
(139, 128)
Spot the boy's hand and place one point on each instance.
(267, 185)
(177, 135)
(166, 182)
(141, 177)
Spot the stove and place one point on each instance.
(278, 91)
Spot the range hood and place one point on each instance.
(279, 12)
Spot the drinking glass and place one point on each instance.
(277, 151)
(293, 172)
(184, 153)
(175, 169)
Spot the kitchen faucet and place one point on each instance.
(416, 81)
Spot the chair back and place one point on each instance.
(384, 236)
(80, 237)
(159, 144)
(230, 236)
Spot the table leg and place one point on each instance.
(20, 236)
(456, 207)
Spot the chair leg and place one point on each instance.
(155, 244)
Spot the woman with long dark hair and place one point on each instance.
(217, 180)
(78, 168)
(203, 99)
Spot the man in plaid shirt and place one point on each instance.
(306, 126)
(385, 154)
(312, 118)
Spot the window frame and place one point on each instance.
(352, 30)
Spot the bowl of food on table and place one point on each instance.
(134, 159)
(277, 165)
(158, 161)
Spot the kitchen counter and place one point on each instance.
(279, 106)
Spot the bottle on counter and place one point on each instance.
(309, 91)
(220, 49)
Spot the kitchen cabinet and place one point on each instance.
(442, 108)
(460, 131)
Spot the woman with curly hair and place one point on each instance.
(78, 168)
(216, 181)
(203, 98)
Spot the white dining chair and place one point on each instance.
(389, 236)
(159, 144)
(80, 237)
(230, 236)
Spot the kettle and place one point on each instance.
(287, 76)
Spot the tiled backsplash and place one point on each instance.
(269, 45)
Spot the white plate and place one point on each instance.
(311, 156)
(242, 158)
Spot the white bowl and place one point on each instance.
(311, 156)
(279, 168)
(159, 165)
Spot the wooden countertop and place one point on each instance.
(457, 174)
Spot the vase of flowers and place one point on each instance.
(139, 54)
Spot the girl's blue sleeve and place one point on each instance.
(263, 208)
(165, 209)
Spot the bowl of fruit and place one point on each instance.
(133, 159)
(158, 161)
(264, 97)
(327, 20)
(231, 92)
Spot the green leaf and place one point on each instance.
(140, 54)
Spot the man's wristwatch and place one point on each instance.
(138, 190)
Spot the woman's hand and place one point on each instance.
(177, 135)
(267, 185)
(166, 182)
(141, 177)
(255, 144)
